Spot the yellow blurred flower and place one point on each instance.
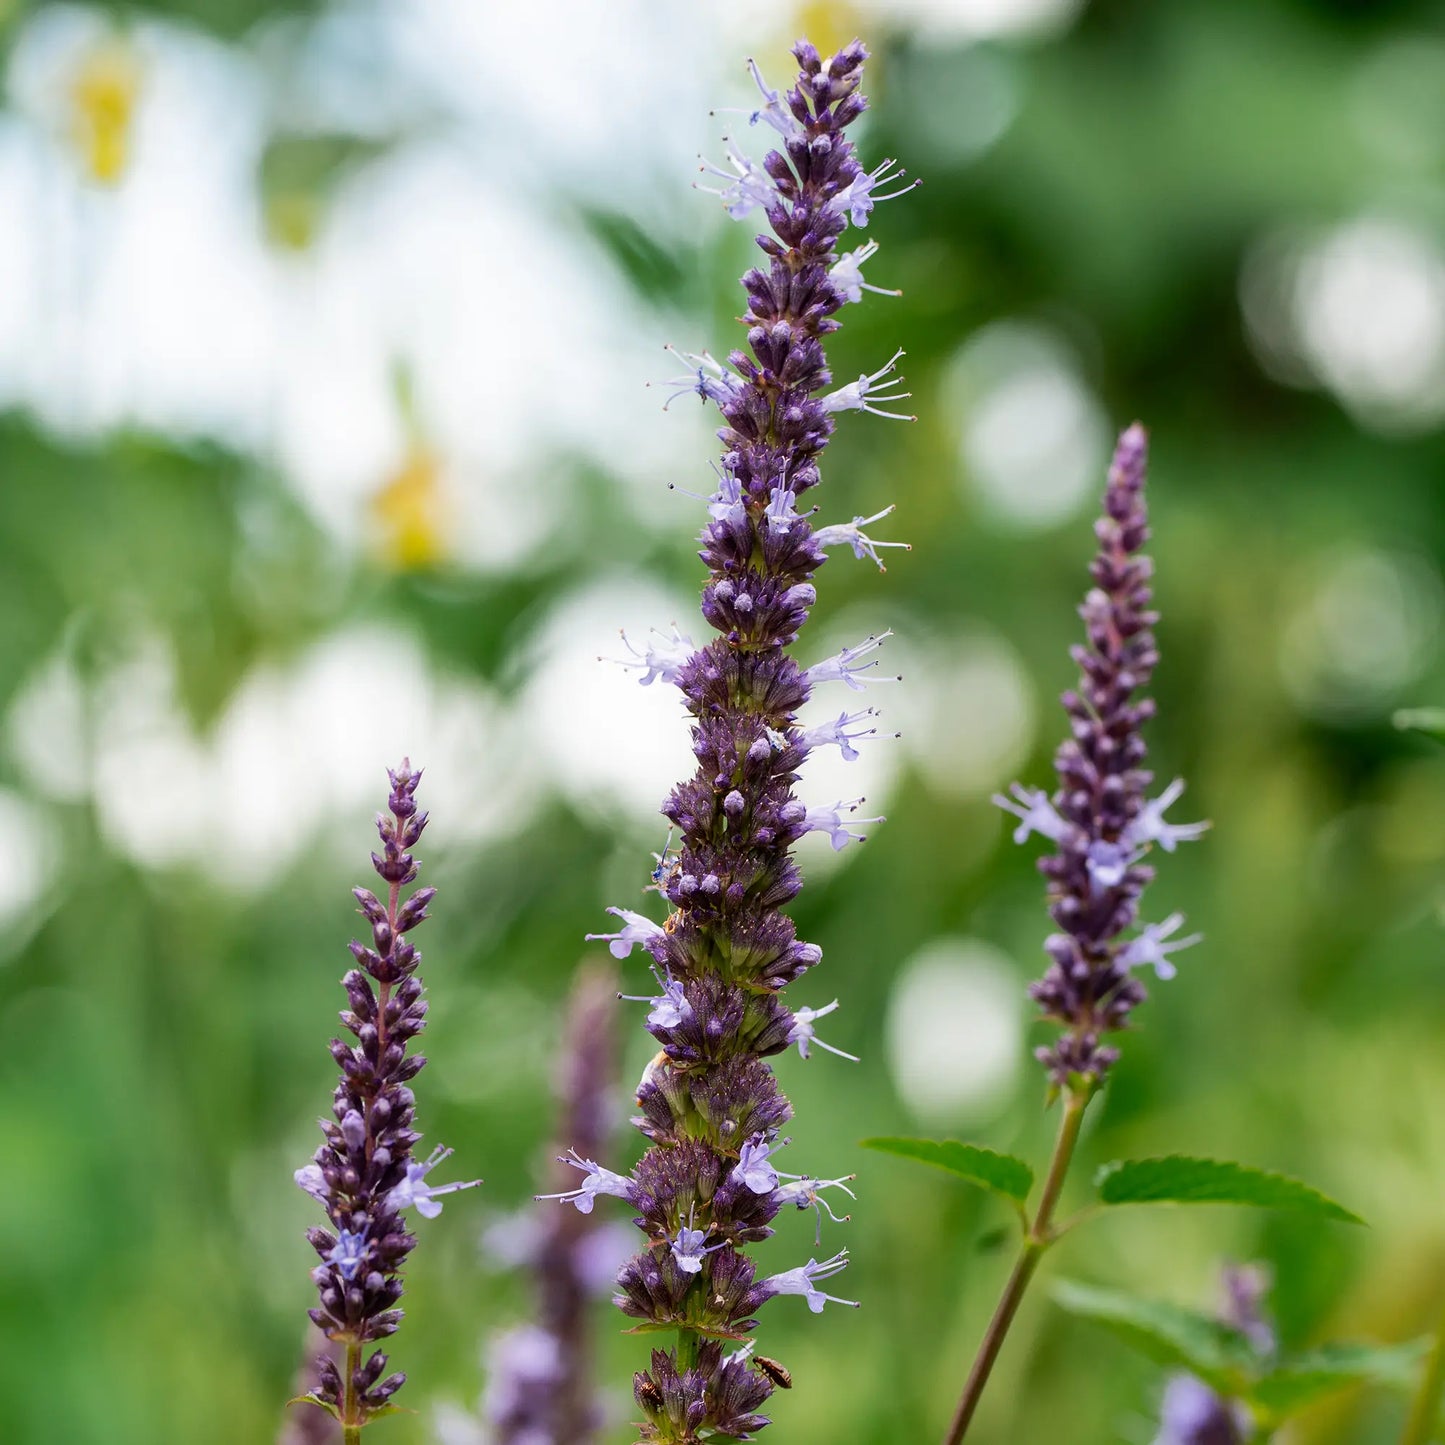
(103, 91)
(411, 513)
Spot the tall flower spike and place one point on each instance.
(540, 1386)
(1100, 821)
(708, 1187)
(364, 1173)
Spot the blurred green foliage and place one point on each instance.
(162, 1038)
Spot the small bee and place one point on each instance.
(649, 1074)
(774, 1371)
(669, 866)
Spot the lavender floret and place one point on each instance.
(364, 1174)
(1194, 1414)
(709, 1104)
(1100, 821)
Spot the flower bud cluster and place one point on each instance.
(1100, 819)
(364, 1174)
(708, 1187)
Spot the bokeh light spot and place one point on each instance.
(955, 1031)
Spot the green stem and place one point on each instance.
(688, 1342)
(1425, 1412)
(1037, 1238)
(350, 1425)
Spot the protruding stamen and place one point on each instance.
(662, 658)
(754, 1168)
(845, 666)
(852, 534)
(802, 1280)
(844, 732)
(857, 199)
(773, 111)
(859, 395)
(1150, 949)
(846, 273)
(636, 929)
(414, 1190)
(831, 820)
(1149, 825)
(804, 1034)
(1038, 813)
(598, 1181)
(806, 1194)
(669, 1008)
(748, 184)
(706, 378)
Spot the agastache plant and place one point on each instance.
(1099, 818)
(365, 1174)
(710, 1185)
(541, 1391)
(1102, 825)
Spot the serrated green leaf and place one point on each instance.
(1427, 720)
(1295, 1382)
(1002, 1173)
(1179, 1179)
(1221, 1357)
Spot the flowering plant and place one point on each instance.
(712, 1111)
(365, 1173)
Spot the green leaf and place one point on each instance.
(376, 1414)
(1000, 1172)
(1221, 1357)
(1295, 1382)
(1427, 720)
(318, 1402)
(1178, 1179)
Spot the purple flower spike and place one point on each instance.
(364, 1174)
(1100, 820)
(540, 1376)
(708, 1188)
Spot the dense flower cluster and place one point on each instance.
(364, 1174)
(1099, 819)
(709, 1184)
